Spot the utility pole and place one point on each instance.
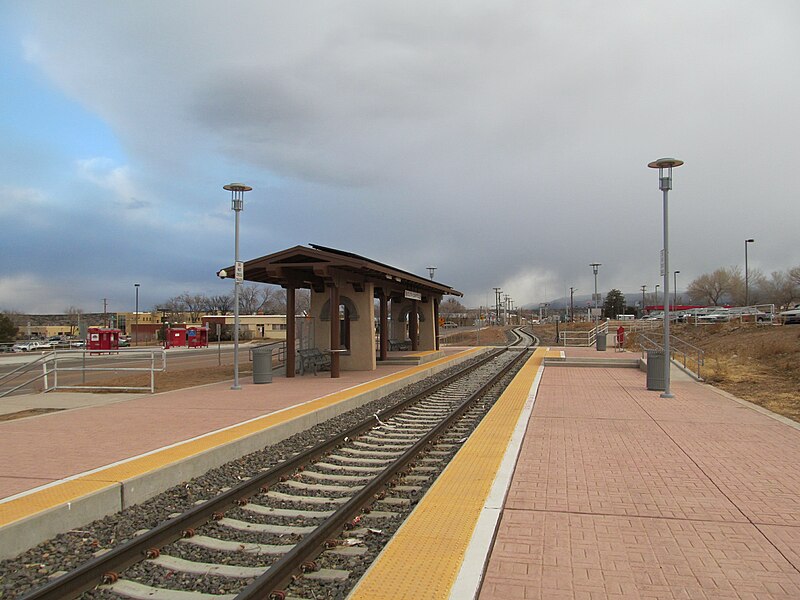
(105, 311)
(497, 303)
(644, 287)
(571, 305)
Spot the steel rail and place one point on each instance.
(289, 565)
(96, 570)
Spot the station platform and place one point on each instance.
(580, 483)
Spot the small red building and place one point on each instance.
(102, 339)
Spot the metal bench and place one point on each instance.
(313, 359)
(399, 345)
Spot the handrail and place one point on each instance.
(680, 350)
(583, 338)
(279, 358)
(51, 368)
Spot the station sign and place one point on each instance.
(413, 295)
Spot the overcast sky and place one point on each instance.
(504, 142)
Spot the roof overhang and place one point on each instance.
(317, 267)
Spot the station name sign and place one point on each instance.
(413, 295)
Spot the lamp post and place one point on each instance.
(595, 267)
(431, 271)
(665, 166)
(658, 285)
(571, 305)
(237, 191)
(675, 291)
(136, 317)
(497, 305)
(746, 274)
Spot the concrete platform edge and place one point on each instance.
(20, 535)
(470, 576)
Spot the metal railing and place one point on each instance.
(278, 352)
(583, 338)
(690, 359)
(64, 363)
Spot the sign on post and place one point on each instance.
(239, 271)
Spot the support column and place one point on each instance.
(290, 331)
(384, 320)
(413, 326)
(334, 331)
(436, 321)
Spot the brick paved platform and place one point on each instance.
(619, 493)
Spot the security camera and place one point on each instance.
(222, 273)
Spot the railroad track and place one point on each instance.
(306, 524)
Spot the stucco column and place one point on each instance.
(334, 331)
(290, 331)
(413, 322)
(436, 321)
(384, 326)
(427, 329)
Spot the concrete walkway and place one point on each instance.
(619, 493)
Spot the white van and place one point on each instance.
(626, 317)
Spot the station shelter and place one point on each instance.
(102, 339)
(351, 284)
(197, 337)
(174, 337)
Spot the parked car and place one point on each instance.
(790, 316)
(720, 315)
(449, 325)
(27, 346)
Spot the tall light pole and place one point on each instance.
(658, 285)
(595, 267)
(237, 191)
(746, 274)
(136, 316)
(665, 166)
(571, 305)
(431, 271)
(497, 304)
(675, 291)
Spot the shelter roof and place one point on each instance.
(317, 266)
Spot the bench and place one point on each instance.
(399, 345)
(313, 359)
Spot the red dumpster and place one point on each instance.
(102, 339)
(197, 337)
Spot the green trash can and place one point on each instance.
(655, 370)
(262, 365)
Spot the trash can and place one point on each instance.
(600, 342)
(655, 370)
(262, 365)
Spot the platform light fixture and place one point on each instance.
(595, 269)
(237, 191)
(675, 291)
(746, 274)
(431, 271)
(136, 316)
(665, 166)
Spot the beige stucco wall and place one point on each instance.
(427, 329)
(362, 332)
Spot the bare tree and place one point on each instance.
(195, 305)
(173, 309)
(779, 289)
(251, 298)
(221, 304)
(451, 307)
(794, 275)
(73, 318)
(710, 288)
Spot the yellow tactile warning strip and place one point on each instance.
(70, 490)
(424, 558)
